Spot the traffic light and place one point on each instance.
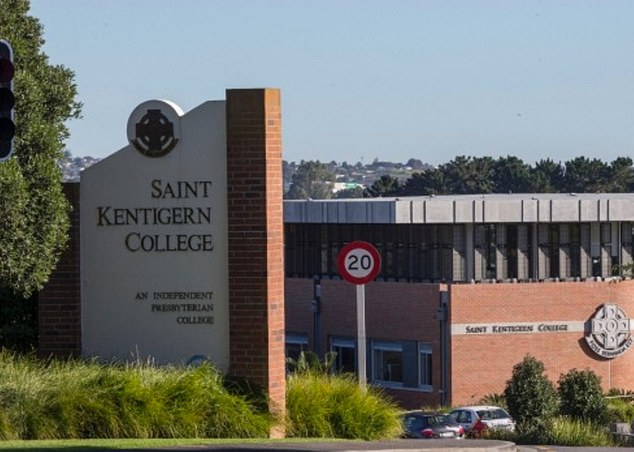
(7, 99)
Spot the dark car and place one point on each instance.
(420, 424)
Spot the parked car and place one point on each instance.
(475, 419)
(420, 424)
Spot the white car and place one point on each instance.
(476, 418)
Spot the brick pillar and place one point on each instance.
(255, 222)
(59, 313)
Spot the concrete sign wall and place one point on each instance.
(154, 240)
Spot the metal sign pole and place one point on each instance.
(360, 262)
(361, 359)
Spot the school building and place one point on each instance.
(469, 285)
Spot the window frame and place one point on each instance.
(386, 346)
(348, 343)
(425, 349)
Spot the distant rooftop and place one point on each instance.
(456, 209)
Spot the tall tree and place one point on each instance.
(428, 182)
(313, 180)
(621, 176)
(547, 177)
(34, 220)
(511, 175)
(386, 185)
(469, 175)
(583, 175)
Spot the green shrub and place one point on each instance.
(76, 399)
(620, 409)
(568, 431)
(531, 399)
(581, 396)
(323, 406)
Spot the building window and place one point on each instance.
(511, 251)
(387, 365)
(294, 345)
(491, 248)
(553, 250)
(424, 367)
(575, 249)
(345, 359)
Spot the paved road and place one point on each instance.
(357, 446)
(375, 446)
(399, 446)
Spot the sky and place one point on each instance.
(363, 79)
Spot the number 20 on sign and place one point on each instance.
(359, 262)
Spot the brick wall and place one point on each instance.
(394, 312)
(59, 313)
(256, 264)
(481, 365)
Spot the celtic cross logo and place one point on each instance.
(154, 127)
(610, 334)
(154, 134)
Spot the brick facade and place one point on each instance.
(59, 312)
(478, 365)
(394, 311)
(256, 263)
(481, 365)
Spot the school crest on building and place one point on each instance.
(609, 332)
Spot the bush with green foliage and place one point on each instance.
(309, 362)
(531, 399)
(576, 432)
(34, 220)
(564, 431)
(77, 399)
(620, 406)
(88, 400)
(581, 396)
(326, 406)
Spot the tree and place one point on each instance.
(386, 185)
(583, 175)
(582, 397)
(547, 177)
(469, 175)
(34, 220)
(429, 182)
(621, 176)
(347, 193)
(416, 164)
(511, 175)
(531, 398)
(312, 180)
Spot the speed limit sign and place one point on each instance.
(359, 262)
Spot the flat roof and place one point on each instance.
(458, 209)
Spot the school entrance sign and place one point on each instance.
(154, 240)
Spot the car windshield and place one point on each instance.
(437, 419)
(492, 414)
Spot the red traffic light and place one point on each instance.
(7, 100)
(6, 70)
(7, 129)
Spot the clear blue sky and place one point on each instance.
(364, 79)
